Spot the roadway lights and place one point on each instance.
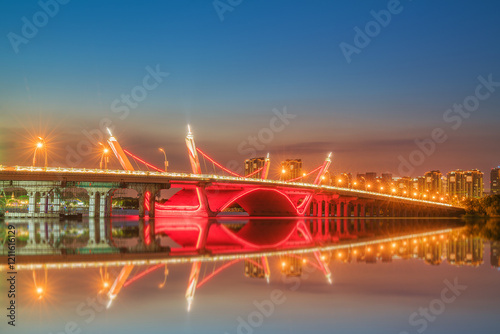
(165, 155)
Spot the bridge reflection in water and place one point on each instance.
(265, 246)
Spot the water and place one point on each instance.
(257, 276)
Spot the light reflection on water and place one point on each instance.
(186, 260)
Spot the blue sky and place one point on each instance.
(226, 77)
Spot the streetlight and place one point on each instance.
(40, 145)
(104, 157)
(165, 155)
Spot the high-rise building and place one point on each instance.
(291, 169)
(370, 177)
(252, 270)
(465, 251)
(291, 265)
(495, 181)
(495, 254)
(433, 183)
(474, 186)
(253, 164)
(404, 186)
(456, 184)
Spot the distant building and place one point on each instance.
(251, 165)
(387, 177)
(474, 185)
(495, 254)
(253, 270)
(456, 184)
(291, 265)
(433, 183)
(465, 251)
(370, 177)
(291, 169)
(495, 181)
(418, 186)
(404, 186)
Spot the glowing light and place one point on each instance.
(109, 131)
(323, 258)
(142, 161)
(39, 290)
(283, 264)
(339, 255)
(217, 164)
(39, 145)
(381, 246)
(283, 171)
(394, 245)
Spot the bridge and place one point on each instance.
(208, 195)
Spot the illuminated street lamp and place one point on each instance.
(165, 155)
(40, 145)
(104, 157)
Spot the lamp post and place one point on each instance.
(40, 145)
(165, 155)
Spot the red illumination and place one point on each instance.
(142, 274)
(252, 174)
(144, 162)
(217, 164)
(300, 177)
(221, 268)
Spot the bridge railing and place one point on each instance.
(210, 176)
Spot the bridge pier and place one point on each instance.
(99, 202)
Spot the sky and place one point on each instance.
(371, 81)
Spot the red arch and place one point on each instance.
(264, 202)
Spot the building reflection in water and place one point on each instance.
(140, 248)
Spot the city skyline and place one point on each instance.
(230, 77)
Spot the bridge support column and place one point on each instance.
(339, 209)
(31, 233)
(56, 231)
(347, 209)
(43, 233)
(363, 210)
(103, 240)
(92, 204)
(105, 207)
(152, 208)
(32, 202)
(92, 237)
(43, 202)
